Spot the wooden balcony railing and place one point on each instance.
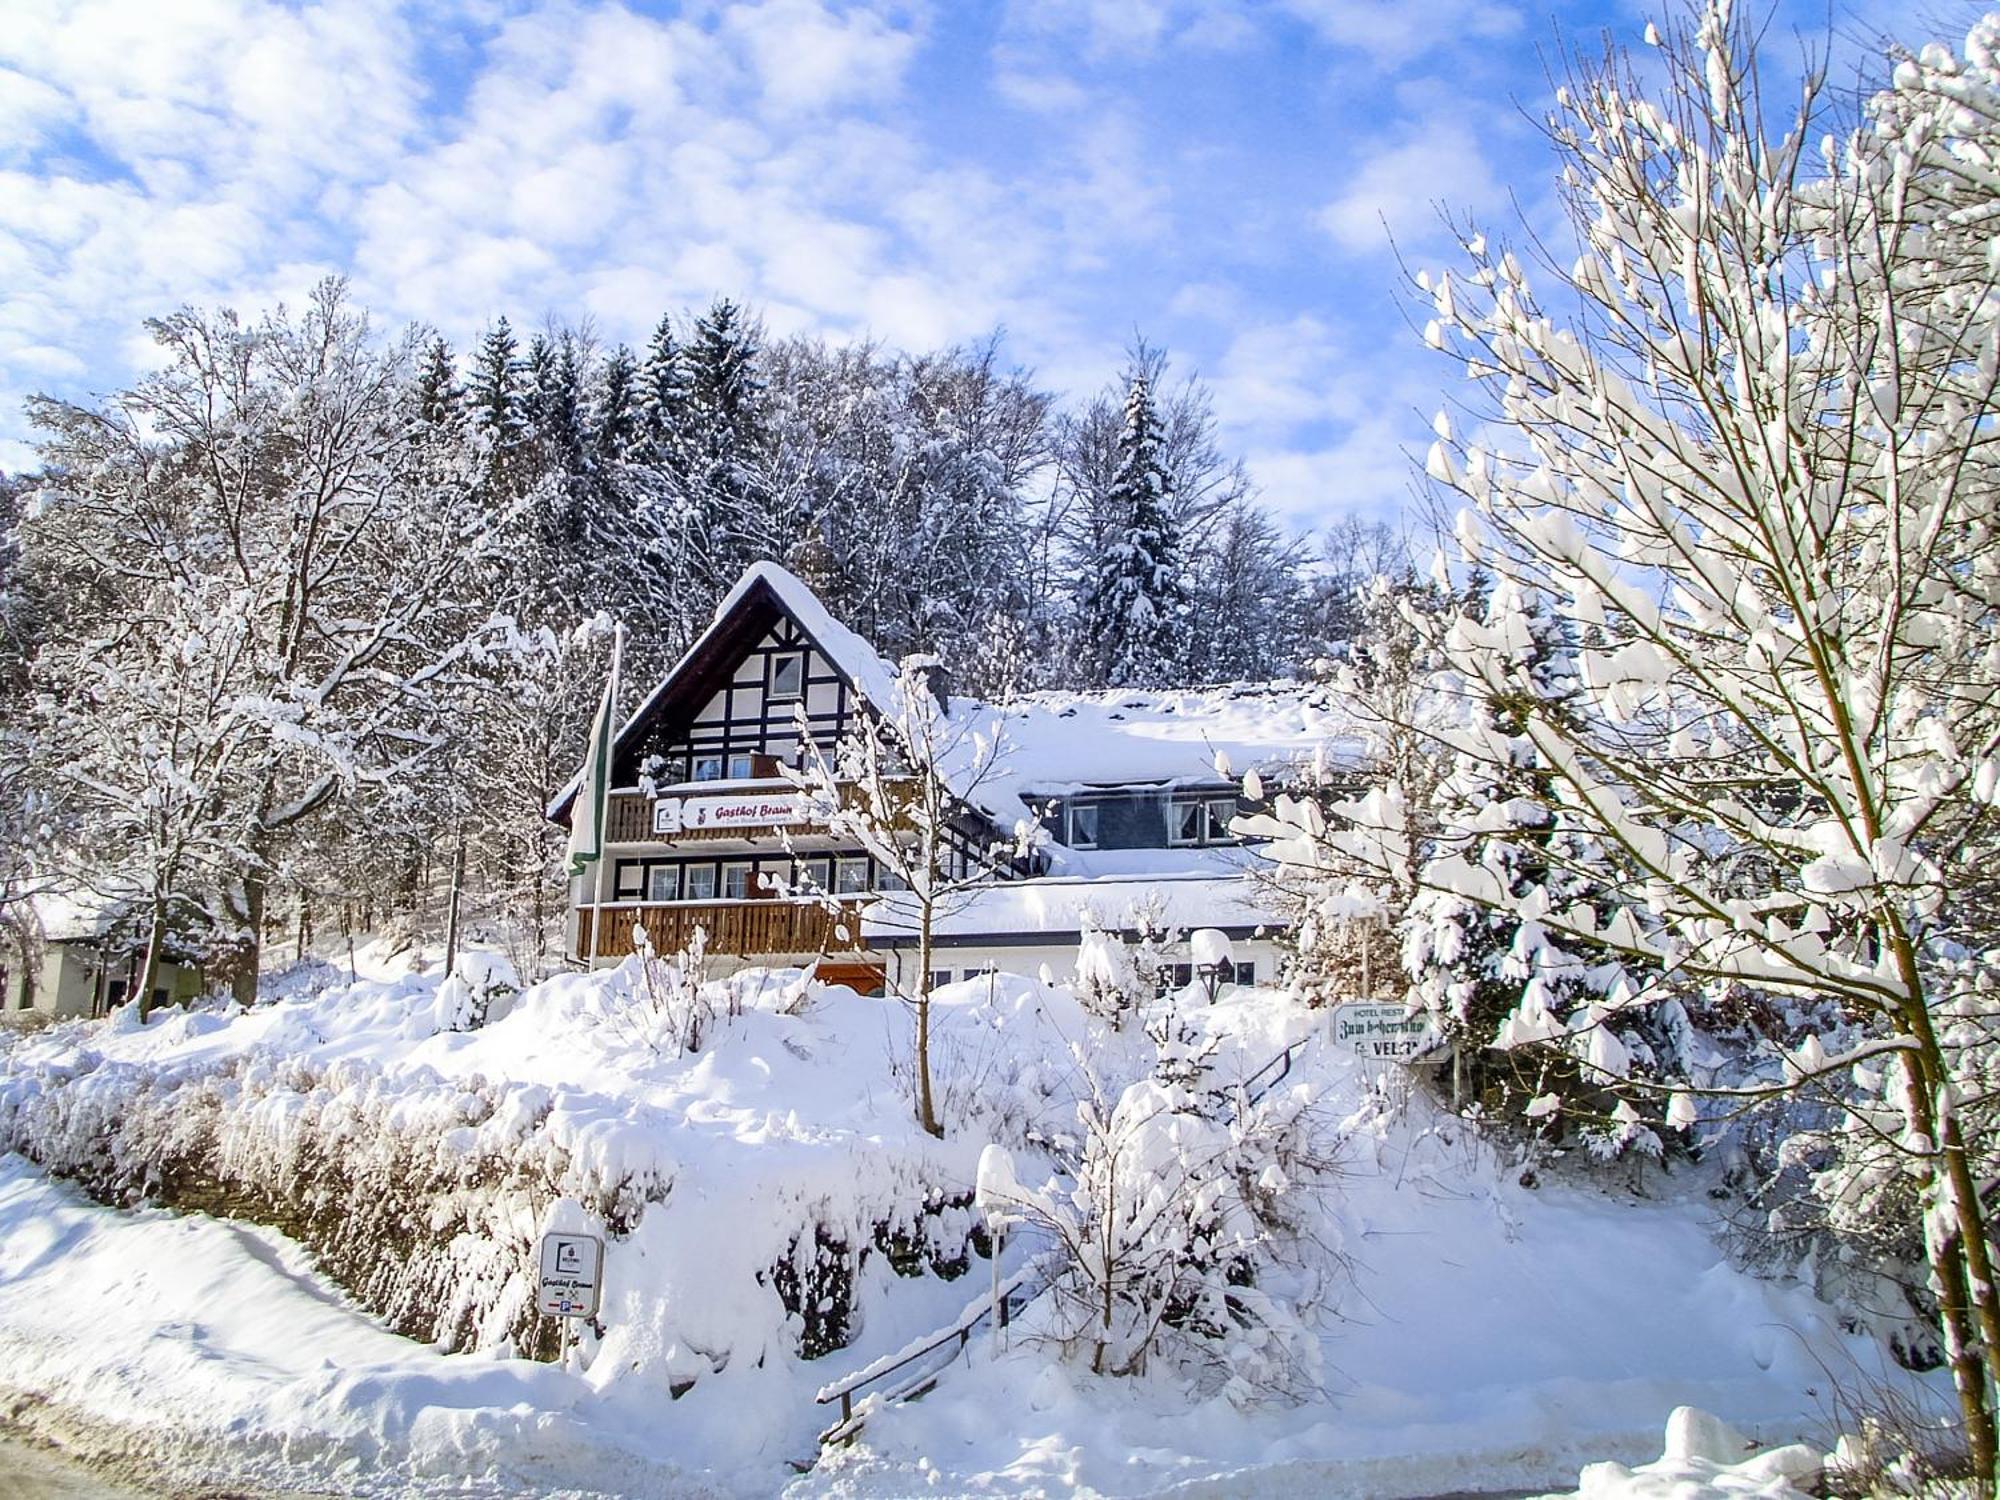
(739, 929)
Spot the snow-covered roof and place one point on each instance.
(1061, 907)
(1055, 743)
(73, 915)
(1058, 742)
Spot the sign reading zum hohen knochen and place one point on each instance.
(572, 1276)
(1382, 1031)
(752, 810)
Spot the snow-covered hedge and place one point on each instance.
(422, 1186)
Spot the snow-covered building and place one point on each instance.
(1128, 800)
(83, 955)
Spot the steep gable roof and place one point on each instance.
(764, 594)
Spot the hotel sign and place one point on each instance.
(1382, 1031)
(753, 810)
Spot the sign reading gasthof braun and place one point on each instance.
(757, 810)
(1382, 1031)
(572, 1279)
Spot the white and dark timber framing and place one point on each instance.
(705, 830)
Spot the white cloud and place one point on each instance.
(1394, 31)
(1105, 28)
(1325, 426)
(808, 57)
(1398, 191)
(1369, 475)
(1038, 89)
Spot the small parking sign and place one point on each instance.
(572, 1275)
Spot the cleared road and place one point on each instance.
(30, 1472)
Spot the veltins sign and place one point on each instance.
(752, 810)
(572, 1276)
(1381, 1031)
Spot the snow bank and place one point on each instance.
(1706, 1459)
(770, 1196)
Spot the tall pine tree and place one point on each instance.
(1135, 609)
(725, 481)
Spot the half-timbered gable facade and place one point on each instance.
(705, 829)
(1133, 796)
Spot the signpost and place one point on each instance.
(572, 1276)
(1382, 1031)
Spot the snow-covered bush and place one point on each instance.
(1108, 982)
(420, 1190)
(671, 1009)
(1177, 1230)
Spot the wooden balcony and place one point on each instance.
(738, 929)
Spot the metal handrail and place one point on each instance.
(1256, 1086)
(1025, 1285)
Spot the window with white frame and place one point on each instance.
(699, 883)
(788, 675)
(742, 766)
(1081, 832)
(663, 882)
(628, 881)
(816, 875)
(707, 768)
(1192, 820)
(736, 881)
(1221, 810)
(850, 875)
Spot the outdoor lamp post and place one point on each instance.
(1213, 958)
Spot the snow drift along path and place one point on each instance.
(213, 1347)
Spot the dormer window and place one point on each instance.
(1221, 812)
(1081, 832)
(1193, 821)
(788, 675)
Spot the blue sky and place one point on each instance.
(1215, 176)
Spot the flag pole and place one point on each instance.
(603, 794)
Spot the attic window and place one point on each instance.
(1082, 825)
(1200, 822)
(1221, 812)
(788, 675)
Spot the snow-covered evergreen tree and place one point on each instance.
(1247, 602)
(616, 419)
(440, 398)
(726, 483)
(1521, 1003)
(496, 399)
(662, 399)
(1135, 611)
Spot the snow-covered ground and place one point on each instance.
(1487, 1335)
